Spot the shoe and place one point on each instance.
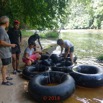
(19, 71)
(9, 78)
(14, 72)
(75, 59)
(7, 83)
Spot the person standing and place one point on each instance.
(15, 37)
(5, 49)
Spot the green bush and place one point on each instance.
(100, 57)
(51, 34)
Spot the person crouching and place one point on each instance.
(30, 55)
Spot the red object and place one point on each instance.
(16, 22)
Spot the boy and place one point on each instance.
(30, 55)
(15, 38)
(35, 37)
(69, 48)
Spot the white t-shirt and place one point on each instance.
(68, 44)
(29, 51)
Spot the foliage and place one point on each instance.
(100, 57)
(51, 34)
(85, 14)
(35, 13)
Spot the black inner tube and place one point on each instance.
(52, 78)
(87, 69)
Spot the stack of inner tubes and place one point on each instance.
(61, 64)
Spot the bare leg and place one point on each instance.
(17, 60)
(29, 63)
(71, 57)
(14, 61)
(3, 71)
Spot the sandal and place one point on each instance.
(9, 78)
(7, 83)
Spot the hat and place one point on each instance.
(16, 22)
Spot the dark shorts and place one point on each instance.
(16, 50)
(6, 61)
(71, 49)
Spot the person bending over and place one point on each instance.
(35, 37)
(30, 55)
(69, 48)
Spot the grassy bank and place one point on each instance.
(44, 35)
(86, 44)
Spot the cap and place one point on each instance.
(16, 22)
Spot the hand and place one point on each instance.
(32, 60)
(13, 45)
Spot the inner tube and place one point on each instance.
(65, 69)
(45, 56)
(63, 66)
(46, 62)
(30, 71)
(40, 91)
(56, 59)
(87, 76)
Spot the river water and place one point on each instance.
(82, 94)
(86, 95)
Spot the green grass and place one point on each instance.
(45, 35)
(86, 44)
(27, 33)
(100, 57)
(51, 34)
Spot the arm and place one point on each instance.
(61, 49)
(20, 37)
(66, 53)
(40, 43)
(27, 56)
(38, 52)
(3, 43)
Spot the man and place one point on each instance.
(5, 49)
(69, 48)
(16, 38)
(33, 38)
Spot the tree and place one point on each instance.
(35, 13)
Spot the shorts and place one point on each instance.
(34, 57)
(16, 50)
(6, 61)
(71, 49)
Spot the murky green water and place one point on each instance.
(86, 95)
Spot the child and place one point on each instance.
(30, 55)
(69, 48)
